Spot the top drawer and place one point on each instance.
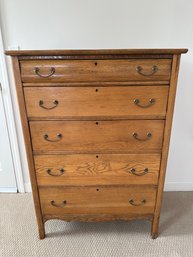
(95, 70)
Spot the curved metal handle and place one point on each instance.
(151, 102)
(49, 171)
(154, 69)
(139, 173)
(37, 71)
(59, 137)
(132, 202)
(55, 103)
(135, 135)
(63, 204)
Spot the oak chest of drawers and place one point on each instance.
(97, 126)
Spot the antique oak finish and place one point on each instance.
(97, 126)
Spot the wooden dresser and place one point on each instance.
(97, 127)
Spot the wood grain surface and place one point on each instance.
(114, 52)
(28, 147)
(97, 145)
(166, 141)
(95, 70)
(99, 218)
(95, 200)
(97, 169)
(99, 136)
(98, 102)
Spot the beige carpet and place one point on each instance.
(18, 232)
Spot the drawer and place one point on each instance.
(97, 200)
(95, 70)
(95, 169)
(97, 136)
(89, 102)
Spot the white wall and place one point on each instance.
(78, 24)
(7, 175)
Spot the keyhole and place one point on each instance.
(97, 156)
(95, 63)
(97, 189)
(97, 123)
(96, 90)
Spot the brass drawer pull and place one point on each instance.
(63, 204)
(52, 71)
(132, 202)
(59, 137)
(151, 102)
(135, 135)
(55, 103)
(49, 171)
(139, 173)
(154, 69)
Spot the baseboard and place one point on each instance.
(170, 186)
(28, 187)
(8, 189)
(178, 186)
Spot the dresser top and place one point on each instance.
(95, 51)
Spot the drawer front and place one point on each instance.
(84, 102)
(95, 70)
(95, 200)
(99, 136)
(95, 169)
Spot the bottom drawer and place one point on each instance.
(97, 200)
